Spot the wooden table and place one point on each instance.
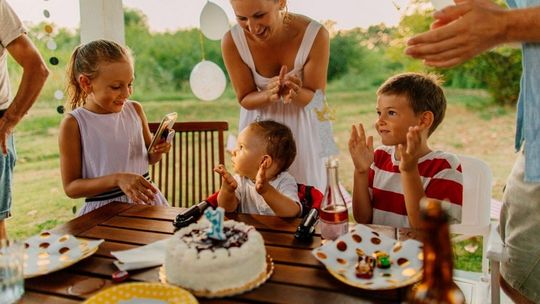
(298, 277)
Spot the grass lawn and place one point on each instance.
(471, 127)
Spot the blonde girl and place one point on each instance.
(103, 140)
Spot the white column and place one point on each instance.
(102, 19)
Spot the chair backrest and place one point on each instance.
(185, 175)
(475, 212)
(477, 181)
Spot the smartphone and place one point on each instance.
(165, 130)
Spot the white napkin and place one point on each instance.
(149, 255)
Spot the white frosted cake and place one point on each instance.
(197, 262)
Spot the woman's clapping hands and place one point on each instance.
(284, 87)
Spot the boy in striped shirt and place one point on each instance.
(390, 180)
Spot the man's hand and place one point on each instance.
(459, 33)
(6, 128)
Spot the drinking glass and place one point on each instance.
(11, 271)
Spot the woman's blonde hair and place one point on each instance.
(85, 60)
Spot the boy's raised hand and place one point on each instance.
(361, 149)
(409, 156)
(228, 180)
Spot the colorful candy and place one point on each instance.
(365, 265)
(383, 259)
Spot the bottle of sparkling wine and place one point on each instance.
(437, 285)
(334, 219)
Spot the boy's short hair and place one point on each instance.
(280, 142)
(423, 91)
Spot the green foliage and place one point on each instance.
(417, 20)
(164, 60)
(498, 71)
(359, 59)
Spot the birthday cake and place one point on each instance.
(198, 262)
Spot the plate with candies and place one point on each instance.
(367, 259)
(48, 252)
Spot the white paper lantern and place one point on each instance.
(213, 21)
(207, 80)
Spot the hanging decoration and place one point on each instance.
(213, 21)
(207, 80)
(53, 60)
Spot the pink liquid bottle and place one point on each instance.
(334, 218)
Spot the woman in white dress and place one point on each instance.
(277, 61)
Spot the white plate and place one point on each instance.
(48, 252)
(340, 259)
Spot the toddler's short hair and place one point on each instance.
(423, 91)
(280, 142)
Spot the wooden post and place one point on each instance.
(102, 19)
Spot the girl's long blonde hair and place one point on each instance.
(85, 60)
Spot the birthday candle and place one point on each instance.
(215, 217)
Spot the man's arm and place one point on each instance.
(523, 25)
(35, 73)
(469, 28)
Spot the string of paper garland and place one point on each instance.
(52, 60)
(207, 80)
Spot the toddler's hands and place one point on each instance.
(409, 156)
(137, 188)
(361, 149)
(261, 180)
(228, 180)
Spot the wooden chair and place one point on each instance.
(185, 175)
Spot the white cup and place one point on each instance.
(11, 271)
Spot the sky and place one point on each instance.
(164, 15)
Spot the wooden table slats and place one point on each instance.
(298, 277)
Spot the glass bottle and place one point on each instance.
(334, 217)
(437, 285)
